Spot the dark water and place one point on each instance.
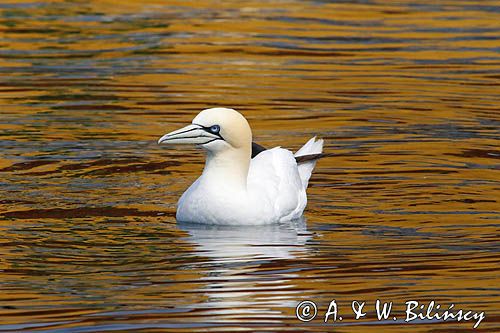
(404, 93)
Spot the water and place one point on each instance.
(405, 94)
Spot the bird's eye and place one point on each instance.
(215, 129)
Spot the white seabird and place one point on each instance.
(239, 186)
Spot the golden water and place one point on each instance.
(404, 93)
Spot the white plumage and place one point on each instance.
(235, 188)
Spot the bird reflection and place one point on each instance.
(273, 241)
(248, 273)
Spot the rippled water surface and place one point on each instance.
(404, 93)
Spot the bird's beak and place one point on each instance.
(193, 134)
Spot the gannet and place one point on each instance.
(242, 183)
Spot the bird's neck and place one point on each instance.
(227, 169)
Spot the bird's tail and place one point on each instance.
(312, 147)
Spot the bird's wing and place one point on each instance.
(274, 182)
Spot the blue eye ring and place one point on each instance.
(215, 129)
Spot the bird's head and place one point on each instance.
(215, 130)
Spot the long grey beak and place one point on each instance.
(192, 134)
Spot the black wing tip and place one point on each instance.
(311, 157)
(257, 149)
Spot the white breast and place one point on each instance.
(274, 193)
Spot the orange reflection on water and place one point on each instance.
(405, 95)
